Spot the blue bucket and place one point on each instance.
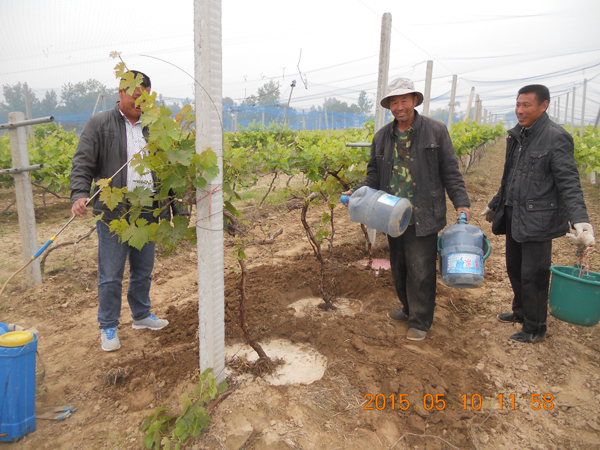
(17, 390)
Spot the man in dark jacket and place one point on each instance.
(539, 194)
(108, 141)
(413, 157)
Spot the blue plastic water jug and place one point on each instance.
(379, 210)
(463, 248)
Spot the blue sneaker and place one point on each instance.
(151, 323)
(110, 340)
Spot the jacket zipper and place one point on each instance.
(516, 166)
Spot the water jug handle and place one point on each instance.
(486, 243)
(462, 218)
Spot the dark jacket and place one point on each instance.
(547, 191)
(101, 151)
(433, 167)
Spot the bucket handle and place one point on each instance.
(486, 244)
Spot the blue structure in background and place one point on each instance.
(236, 117)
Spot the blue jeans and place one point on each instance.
(112, 256)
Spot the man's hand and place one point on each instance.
(585, 233)
(464, 210)
(489, 214)
(79, 208)
(582, 228)
(348, 193)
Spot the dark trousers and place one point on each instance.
(412, 261)
(528, 268)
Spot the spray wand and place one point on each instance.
(53, 238)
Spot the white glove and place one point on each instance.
(585, 234)
(489, 214)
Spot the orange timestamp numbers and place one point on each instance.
(437, 401)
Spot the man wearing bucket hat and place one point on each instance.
(413, 157)
(539, 194)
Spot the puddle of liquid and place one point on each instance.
(345, 306)
(303, 365)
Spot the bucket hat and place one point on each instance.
(400, 86)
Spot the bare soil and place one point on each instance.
(466, 356)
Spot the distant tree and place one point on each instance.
(228, 101)
(442, 113)
(49, 103)
(335, 105)
(364, 104)
(268, 94)
(15, 100)
(82, 96)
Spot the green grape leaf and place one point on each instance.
(140, 196)
(112, 196)
(139, 234)
(179, 156)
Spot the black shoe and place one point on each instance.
(398, 315)
(509, 318)
(523, 336)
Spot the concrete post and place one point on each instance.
(209, 221)
(566, 108)
(583, 108)
(97, 103)
(382, 84)
(468, 112)
(573, 113)
(384, 66)
(597, 119)
(28, 111)
(452, 98)
(558, 112)
(477, 109)
(427, 93)
(24, 194)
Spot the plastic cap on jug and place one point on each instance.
(462, 218)
(15, 338)
(345, 199)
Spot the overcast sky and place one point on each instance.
(494, 46)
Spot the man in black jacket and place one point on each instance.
(413, 157)
(539, 194)
(107, 143)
